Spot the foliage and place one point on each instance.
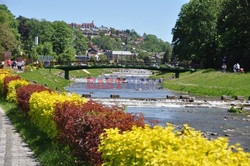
(48, 152)
(12, 87)
(194, 34)
(8, 30)
(236, 110)
(206, 35)
(24, 93)
(103, 58)
(6, 81)
(67, 56)
(62, 38)
(234, 32)
(3, 73)
(107, 43)
(82, 124)
(167, 54)
(153, 44)
(79, 42)
(166, 146)
(42, 105)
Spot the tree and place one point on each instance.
(79, 42)
(195, 33)
(48, 49)
(67, 56)
(103, 58)
(153, 44)
(167, 54)
(234, 32)
(107, 43)
(9, 37)
(62, 39)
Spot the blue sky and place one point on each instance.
(156, 17)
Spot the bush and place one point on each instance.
(12, 87)
(236, 110)
(42, 106)
(4, 71)
(166, 146)
(7, 79)
(24, 93)
(82, 124)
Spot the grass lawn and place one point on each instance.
(208, 83)
(93, 72)
(48, 152)
(54, 78)
(46, 76)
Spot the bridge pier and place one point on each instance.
(66, 74)
(177, 74)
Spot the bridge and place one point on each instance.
(78, 66)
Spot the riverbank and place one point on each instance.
(207, 83)
(54, 78)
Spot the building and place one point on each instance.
(119, 55)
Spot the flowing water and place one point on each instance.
(211, 118)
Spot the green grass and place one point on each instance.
(208, 83)
(93, 72)
(48, 152)
(54, 78)
(46, 76)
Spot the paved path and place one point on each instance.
(13, 150)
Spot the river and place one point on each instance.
(146, 96)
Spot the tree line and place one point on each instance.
(62, 41)
(209, 33)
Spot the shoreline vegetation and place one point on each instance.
(50, 151)
(207, 83)
(54, 78)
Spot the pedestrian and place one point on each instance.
(238, 67)
(224, 67)
(8, 62)
(13, 65)
(235, 68)
(19, 65)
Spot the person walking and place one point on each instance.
(238, 67)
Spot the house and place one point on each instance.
(118, 55)
(94, 51)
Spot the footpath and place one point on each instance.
(13, 150)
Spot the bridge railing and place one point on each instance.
(98, 63)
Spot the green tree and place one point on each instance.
(67, 56)
(195, 33)
(103, 58)
(234, 32)
(62, 39)
(153, 44)
(9, 36)
(48, 49)
(107, 43)
(167, 54)
(80, 43)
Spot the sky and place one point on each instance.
(156, 17)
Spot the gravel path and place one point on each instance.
(13, 150)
